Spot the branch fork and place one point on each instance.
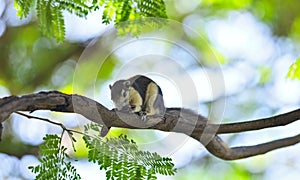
(175, 120)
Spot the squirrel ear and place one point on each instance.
(110, 86)
(126, 84)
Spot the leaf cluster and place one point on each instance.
(122, 159)
(50, 14)
(54, 162)
(119, 157)
(51, 20)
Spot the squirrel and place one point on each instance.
(138, 94)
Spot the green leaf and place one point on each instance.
(122, 159)
(294, 71)
(54, 163)
(23, 7)
(133, 12)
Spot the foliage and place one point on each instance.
(121, 158)
(50, 13)
(28, 63)
(54, 164)
(294, 71)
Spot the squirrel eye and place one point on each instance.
(124, 94)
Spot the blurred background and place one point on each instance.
(227, 60)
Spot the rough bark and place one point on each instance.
(175, 120)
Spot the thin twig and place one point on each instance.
(69, 131)
(42, 119)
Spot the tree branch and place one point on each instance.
(175, 120)
(1, 128)
(52, 122)
(280, 120)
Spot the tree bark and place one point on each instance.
(175, 120)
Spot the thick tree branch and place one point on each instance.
(280, 120)
(175, 120)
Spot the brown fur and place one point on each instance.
(142, 95)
